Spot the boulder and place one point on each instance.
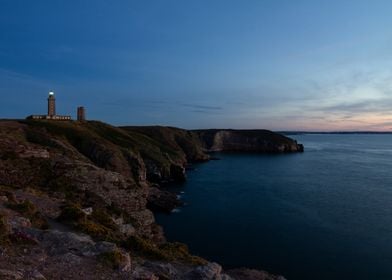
(144, 274)
(127, 229)
(159, 200)
(162, 270)
(210, 271)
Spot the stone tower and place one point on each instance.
(81, 114)
(51, 104)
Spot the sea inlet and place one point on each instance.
(322, 214)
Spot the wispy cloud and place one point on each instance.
(202, 107)
(20, 82)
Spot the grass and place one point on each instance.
(7, 192)
(29, 210)
(103, 218)
(4, 231)
(178, 251)
(95, 230)
(165, 252)
(26, 207)
(99, 225)
(143, 247)
(82, 135)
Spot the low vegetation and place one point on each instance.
(99, 225)
(165, 252)
(28, 210)
(4, 231)
(113, 258)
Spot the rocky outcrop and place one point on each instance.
(160, 200)
(81, 196)
(245, 274)
(255, 141)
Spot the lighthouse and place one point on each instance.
(51, 115)
(51, 104)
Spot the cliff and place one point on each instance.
(256, 141)
(76, 199)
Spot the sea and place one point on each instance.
(322, 214)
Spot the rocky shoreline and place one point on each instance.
(77, 199)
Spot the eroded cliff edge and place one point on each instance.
(255, 141)
(75, 199)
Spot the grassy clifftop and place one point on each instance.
(126, 151)
(152, 153)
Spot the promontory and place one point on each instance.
(77, 199)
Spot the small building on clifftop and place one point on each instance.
(81, 114)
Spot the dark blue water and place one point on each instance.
(323, 214)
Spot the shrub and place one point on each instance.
(179, 251)
(98, 225)
(26, 207)
(72, 214)
(112, 259)
(143, 247)
(166, 252)
(103, 218)
(95, 230)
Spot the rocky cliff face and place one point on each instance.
(75, 199)
(256, 141)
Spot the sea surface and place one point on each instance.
(323, 214)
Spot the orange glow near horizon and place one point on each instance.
(364, 122)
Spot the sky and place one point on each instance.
(274, 64)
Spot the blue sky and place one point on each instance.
(280, 65)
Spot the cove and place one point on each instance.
(323, 214)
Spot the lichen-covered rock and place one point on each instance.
(6, 274)
(18, 222)
(210, 271)
(163, 270)
(127, 230)
(59, 243)
(141, 273)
